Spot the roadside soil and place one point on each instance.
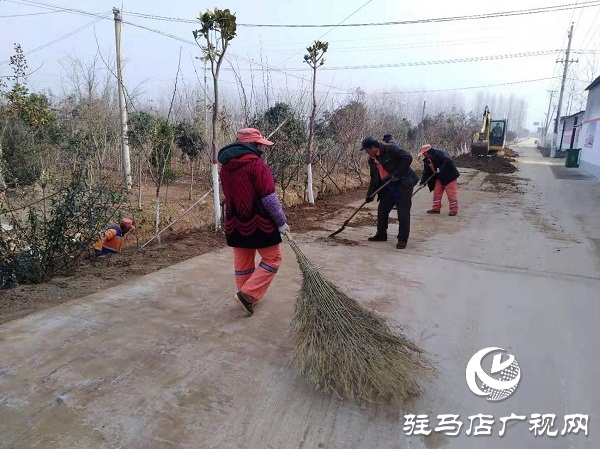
(176, 246)
(486, 164)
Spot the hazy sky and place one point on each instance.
(152, 58)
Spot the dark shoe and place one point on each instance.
(243, 302)
(433, 211)
(452, 213)
(401, 244)
(378, 238)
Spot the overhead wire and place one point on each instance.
(345, 91)
(463, 88)
(323, 35)
(64, 36)
(28, 15)
(434, 62)
(231, 55)
(37, 4)
(562, 46)
(529, 11)
(286, 71)
(590, 29)
(437, 44)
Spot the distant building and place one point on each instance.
(589, 136)
(569, 130)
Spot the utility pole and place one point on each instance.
(122, 103)
(547, 121)
(562, 91)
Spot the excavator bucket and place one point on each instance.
(479, 147)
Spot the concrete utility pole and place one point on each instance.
(547, 121)
(122, 104)
(560, 96)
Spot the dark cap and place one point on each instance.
(387, 138)
(369, 142)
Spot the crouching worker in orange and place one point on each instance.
(112, 238)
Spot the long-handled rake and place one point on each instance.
(373, 196)
(345, 349)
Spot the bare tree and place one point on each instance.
(315, 59)
(92, 108)
(218, 29)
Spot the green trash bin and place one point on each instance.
(572, 159)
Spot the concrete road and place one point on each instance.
(170, 361)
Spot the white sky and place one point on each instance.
(152, 58)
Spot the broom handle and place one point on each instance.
(428, 179)
(365, 202)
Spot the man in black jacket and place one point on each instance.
(440, 162)
(390, 162)
(388, 138)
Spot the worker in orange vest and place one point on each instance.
(112, 238)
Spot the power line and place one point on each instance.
(463, 88)
(341, 23)
(439, 19)
(286, 71)
(323, 35)
(412, 45)
(27, 15)
(577, 5)
(580, 14)
(590, 29)
(436, 62)
(37, 4)
(100, 17)
(553, 78)
(64, 36)
(231, 55)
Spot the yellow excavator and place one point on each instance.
(491, 139)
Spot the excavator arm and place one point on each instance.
(481, 140)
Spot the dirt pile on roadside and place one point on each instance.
(336, 241)
(509, 152)
(505, 183)
(486, 164)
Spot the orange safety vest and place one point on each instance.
(112, 241)
(383, 174)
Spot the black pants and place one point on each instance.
(400, 198)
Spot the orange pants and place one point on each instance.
(251, 280)
(451, 193)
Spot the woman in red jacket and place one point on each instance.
(254, 218)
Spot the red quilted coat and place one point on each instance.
(247, 181)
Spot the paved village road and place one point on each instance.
(169, 361)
